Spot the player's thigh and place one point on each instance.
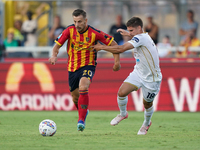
(131, 83)
(126, 88)
(84, 83)
(86, 77)
(150, 94)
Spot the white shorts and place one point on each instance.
(149, 89)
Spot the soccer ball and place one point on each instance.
(47, 127)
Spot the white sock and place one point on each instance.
(147, 115)
(122, 103)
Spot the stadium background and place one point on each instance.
(33, 84)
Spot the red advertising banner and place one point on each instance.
(41, 86)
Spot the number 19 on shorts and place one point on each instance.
(151, 95)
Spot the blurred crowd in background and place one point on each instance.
(170, 24)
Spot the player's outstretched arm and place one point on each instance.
(55, 51)
(117, 65)
(116, 49)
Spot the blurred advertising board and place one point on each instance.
(40, 86)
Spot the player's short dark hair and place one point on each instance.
(191, 11)
(29, 15)
(79, 12)
(167, 36)
(134, 22)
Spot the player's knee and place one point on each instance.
(121, 93)
(83, 87)
(147, 104)
(84, 83)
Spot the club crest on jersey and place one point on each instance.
(136, 39)
(87, 39)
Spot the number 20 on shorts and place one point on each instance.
(89, 72)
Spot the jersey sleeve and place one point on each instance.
(104, 38)
(136, 41)
(63, 37)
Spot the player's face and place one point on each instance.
(189, 15)
(134, 30)
(80, 23)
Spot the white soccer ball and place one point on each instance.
(47, 127)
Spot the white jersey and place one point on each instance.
(147, 59)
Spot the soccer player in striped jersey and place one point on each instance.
(81, 61)
(146, 74)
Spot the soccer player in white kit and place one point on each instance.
(146, 74)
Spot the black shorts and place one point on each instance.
(74, 77)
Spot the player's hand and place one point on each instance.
(116, 67)
(96, 47)
(123, 32)
(53, 60)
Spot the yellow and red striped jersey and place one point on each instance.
(78, 45)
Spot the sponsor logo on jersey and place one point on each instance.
(136, 39)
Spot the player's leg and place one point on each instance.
(83, 101)
(148, 112)
(83, 98)
(73, 79)
(75, 96)
(131, 83)
(149, 96)
(122, 100)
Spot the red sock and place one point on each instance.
(83, 102)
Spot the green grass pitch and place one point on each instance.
(169, 130)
